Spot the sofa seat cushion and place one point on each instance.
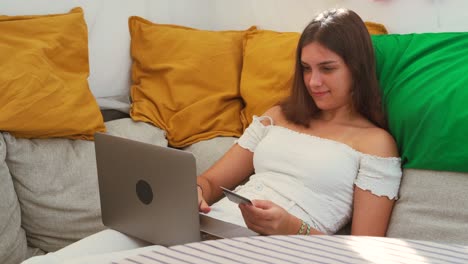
(56, 183)
(34, 252)
(13, 246)
(432, 206)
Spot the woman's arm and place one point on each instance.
(232, 169)
(235, 166)
(371, 213)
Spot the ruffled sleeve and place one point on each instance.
(254, 133)
(379, 175)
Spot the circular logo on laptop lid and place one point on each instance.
(144, 192)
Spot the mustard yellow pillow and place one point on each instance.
(186, 81)
(376, 28)
(44, 68)
(268, 70)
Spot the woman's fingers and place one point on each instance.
(202, 204)
(204, 207)
(265, 217)
(250, 221)
(264, 204)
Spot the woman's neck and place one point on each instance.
(340, 115)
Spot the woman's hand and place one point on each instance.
(202, 204)
(267, 218)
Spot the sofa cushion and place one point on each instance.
(34, 251)
(375, 28)
(432, 206)
(139, 131)
(44, 89)
(13, 246)
(424, 82)
(268, 69)
(207, 152)
(186, 81)
(56, 183)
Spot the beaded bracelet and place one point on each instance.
(308, 230)
(306, 226)
(302, 228)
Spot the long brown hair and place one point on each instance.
(343, 32)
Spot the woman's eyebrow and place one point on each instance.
(321, 63)
(327, 62)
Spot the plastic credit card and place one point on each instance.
(234, 197)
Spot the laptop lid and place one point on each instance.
(147, 191)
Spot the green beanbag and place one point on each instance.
(424, 82)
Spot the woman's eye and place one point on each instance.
(305, 68)
(327, 69)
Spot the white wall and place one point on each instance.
(399, 16)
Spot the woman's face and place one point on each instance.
(326, 76)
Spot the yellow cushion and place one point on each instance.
(268, 70)
(376, 28)
(186, 81)
(44, 68)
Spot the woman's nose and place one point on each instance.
(315, 79)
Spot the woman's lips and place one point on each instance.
(319, 94)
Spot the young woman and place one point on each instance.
(322, 156)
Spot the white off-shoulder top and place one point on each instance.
(311, 177)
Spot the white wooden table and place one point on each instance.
(304, 249)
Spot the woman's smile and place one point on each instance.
(320, 94)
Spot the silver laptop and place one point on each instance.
(149, 192)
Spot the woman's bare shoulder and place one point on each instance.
(378, 142)
(275, 113)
